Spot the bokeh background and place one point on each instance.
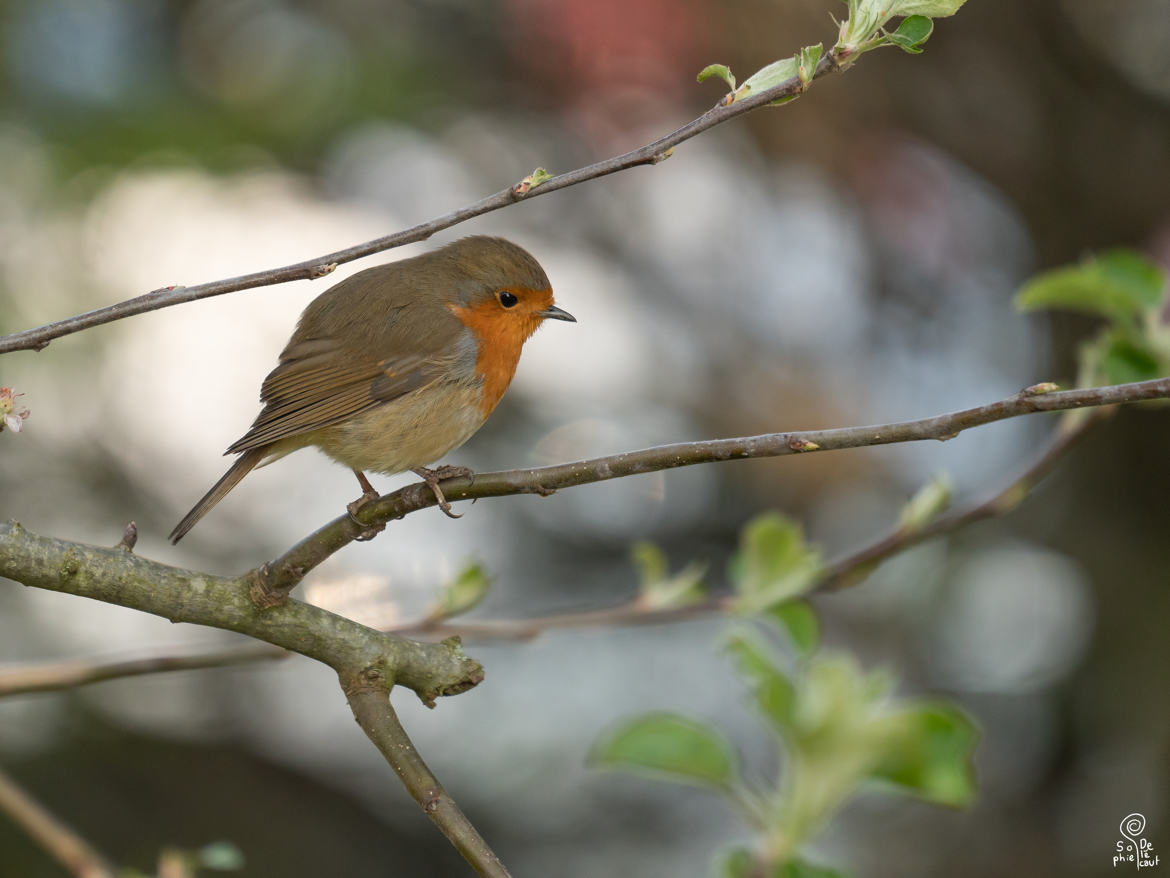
(849, 258)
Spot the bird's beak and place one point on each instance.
(552, 312)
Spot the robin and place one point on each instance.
(395, 366)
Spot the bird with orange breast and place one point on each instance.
(397, 365)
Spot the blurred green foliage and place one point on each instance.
(1128, 290)
(230, 85)
(840, 729)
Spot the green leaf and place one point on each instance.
(222, 856)
(1117, 285)
(929, 8)
(1132, 271)
(1126, 359)
(672, 747)
(773, 564)
(720, 70)
(838, 699)
(769, 76)
(804, 869)
(928, 502)
(912, 32)
(774, 693)
(866, 17)
(650, 561)
(799, 620)
(462, 593)
(660, 590)
(930, 755)
(736, 862)
(806, 62)
(863, 30)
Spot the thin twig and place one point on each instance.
(371, 707)
(66, 846)
(627, 614)
(846, 571)
(855, 566)
(650, 154)
(279, 576)
(69, 674)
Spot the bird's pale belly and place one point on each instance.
(411, 431)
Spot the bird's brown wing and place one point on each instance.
(320, 382)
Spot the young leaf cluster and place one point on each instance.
(659, 588)
(862, 31)
(839, 729)
(1126, 289)
(800, 66)
(865, 28)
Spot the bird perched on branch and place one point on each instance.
(395, 366)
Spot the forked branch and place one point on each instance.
(277, 577)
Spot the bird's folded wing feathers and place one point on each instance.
(319, 383)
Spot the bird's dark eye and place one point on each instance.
(507, 299)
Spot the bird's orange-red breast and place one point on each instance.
(395, 366)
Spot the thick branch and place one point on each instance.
(282, 574)
(651, 153)
(69, 674)
(119, 577)
(66, 846)
(374, 713)
(846, 571)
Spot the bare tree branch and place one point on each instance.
(846, 571)
(66, 846)
(119, 577)
(367, 687)
(369, 699)
(54, 676)
(650, 154)
(852, 568)
(273, 580)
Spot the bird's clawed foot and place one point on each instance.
(369, 495)
(433, 476)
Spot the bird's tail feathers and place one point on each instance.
(244, 465)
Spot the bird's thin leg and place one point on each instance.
(369, 495)
(367, 488)
(433, 476)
